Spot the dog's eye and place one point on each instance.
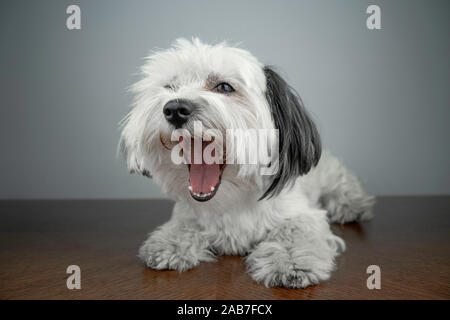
(223, 88)
(168, 87)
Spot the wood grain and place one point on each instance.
(408, 239)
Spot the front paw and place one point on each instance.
(173, 253)
(278, 265)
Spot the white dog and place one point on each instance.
(280, 221)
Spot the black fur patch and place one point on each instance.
(299, 141)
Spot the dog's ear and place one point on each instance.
(299, 141)
(131, 158)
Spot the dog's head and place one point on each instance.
(219, 88)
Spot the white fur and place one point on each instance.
(287, 238)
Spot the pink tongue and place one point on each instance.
(204, 176)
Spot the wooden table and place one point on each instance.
(409, 239)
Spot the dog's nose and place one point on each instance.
(178, 111)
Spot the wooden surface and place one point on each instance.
(409, 239)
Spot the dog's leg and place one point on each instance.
(177, 245)
(298, 253)
(340, 192)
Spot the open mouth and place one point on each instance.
(204, 179)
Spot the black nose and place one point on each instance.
(178, 111)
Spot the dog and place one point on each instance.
(280, 222)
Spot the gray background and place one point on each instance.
(380, 98)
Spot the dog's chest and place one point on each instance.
(235, 233)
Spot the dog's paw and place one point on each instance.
(277, 265)
(289, 276)
(178, 254)
(163, 257)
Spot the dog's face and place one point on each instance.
(220, 88)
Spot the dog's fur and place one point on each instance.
(280, 222)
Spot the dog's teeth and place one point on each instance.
(202, 195)
(212, 189)
(190, 188)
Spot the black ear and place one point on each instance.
(299, 141)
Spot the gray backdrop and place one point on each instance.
(380, 98)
